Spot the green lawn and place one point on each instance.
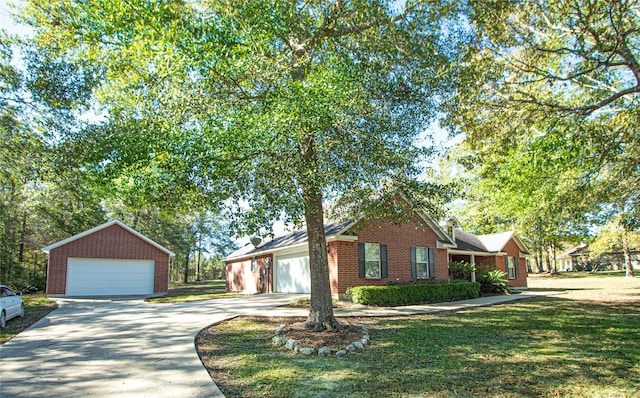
(36, 306)
(571, 345)
(205, 290)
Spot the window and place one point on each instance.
(422, 262)
(372, 258)
(512, 265)
(451, 231)
(254, 263)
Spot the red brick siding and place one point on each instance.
(512, 249)
(399, 240)
(111, 242)
(240, 277)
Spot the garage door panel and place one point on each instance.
(109, 277)
(292, 273)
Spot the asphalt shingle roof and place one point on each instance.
(289, 239)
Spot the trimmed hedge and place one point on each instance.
(414, 294)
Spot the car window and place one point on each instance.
(3, 292)
(10, 293)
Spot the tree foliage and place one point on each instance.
(556, 109)
(269, 108)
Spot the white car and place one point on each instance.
(11, 305)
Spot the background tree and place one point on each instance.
(572, 64)
(274, 107)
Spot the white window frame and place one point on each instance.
(511, 267)
(425, 263)
(368, 260)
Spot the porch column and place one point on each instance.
(473, 274)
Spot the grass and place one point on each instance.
(195, 291)
(579, 344)
(581, 274)
(36, 307)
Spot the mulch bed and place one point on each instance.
(334, 339)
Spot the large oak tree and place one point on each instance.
(269, 108)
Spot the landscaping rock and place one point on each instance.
(324, 351)
(307, 350)
(358, 345)
(351, 347)
(363, 328)
(291, 344)
(279, 340)
(341, 353)
(280, 329)
(364, 341)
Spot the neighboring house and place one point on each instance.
(372, 252)
(574, 259)
(578, 259)
(108, 260)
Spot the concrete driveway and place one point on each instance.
(123, 348)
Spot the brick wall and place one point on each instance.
(399, 239)
(240, 277)
(111, 242)
(512, 249)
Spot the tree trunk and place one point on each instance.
(552, 254)
(321, 312)
(199, 256)
(545, 259)
(23, 233)
(627, 254)
(186, 266)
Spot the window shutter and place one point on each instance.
(515, 264)
(432, 263)
(414, 272)
(361, 260)
(383, 262)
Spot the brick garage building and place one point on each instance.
(372, 252)
(108, 260)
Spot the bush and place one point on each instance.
(461, 270)
(419, 281)
(482, 268)
(414, 294)
(493, 282)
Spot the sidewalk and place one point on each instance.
(356, 310)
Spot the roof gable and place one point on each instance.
(288, 240)
(490, 243)
(63, 242)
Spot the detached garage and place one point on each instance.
(108, 260)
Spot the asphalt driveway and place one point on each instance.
(121, 348)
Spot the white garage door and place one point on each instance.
(292, 273)
(107, 277)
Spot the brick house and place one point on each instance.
(373, 252)
(108, 260)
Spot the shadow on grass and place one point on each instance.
(540, 347)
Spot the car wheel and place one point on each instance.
(3, 320)
(21, 314)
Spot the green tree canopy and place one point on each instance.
(269, 107)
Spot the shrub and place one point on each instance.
(419, 281)
(494, 282)
(482, 268)
(460, 270)
(414, 294)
